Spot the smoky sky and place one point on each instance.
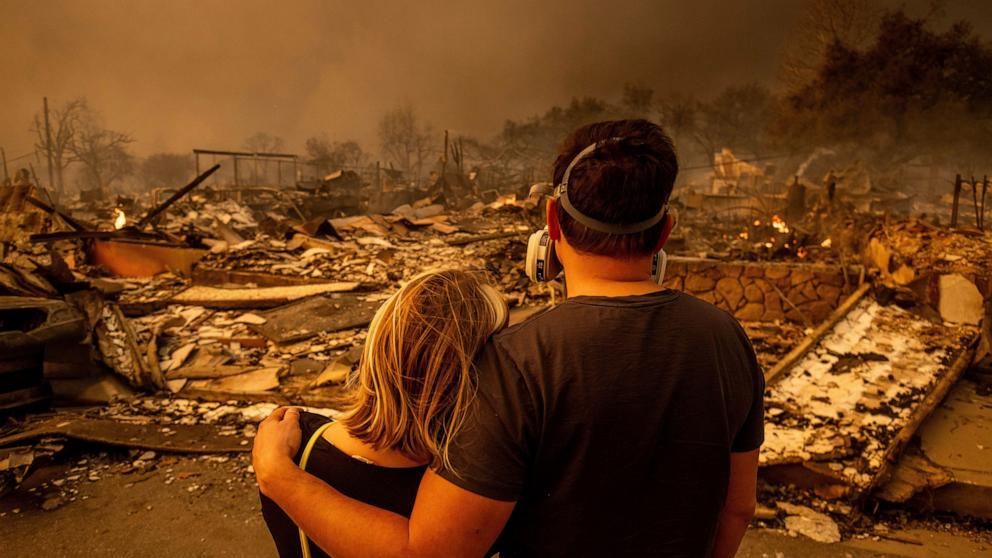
(185, 74)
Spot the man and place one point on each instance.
(624, 422)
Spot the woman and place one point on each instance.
(406, 401)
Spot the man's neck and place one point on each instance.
(579, 285)
(601, 276)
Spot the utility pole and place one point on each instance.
(6, 174)
(48, 152)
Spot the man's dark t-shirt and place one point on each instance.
(610, 421)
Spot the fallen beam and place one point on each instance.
(154, 212)
(178, 438)
(812, 339)
(212, 277)
(267, 297)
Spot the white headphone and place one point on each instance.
(542, 263)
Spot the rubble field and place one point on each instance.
(142, 351)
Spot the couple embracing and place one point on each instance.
(624, 422)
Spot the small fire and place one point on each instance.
(119, 219)
(744, 235)
(827, 243)
(779, 224)
(802, 251)
(757, 222)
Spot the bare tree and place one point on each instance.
(327, 155)
(638, 99)
(262, 142)
(64, 123)
(852, 23)
(404, 140)
(102, 152)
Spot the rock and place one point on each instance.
(800, 276)
(807, 522)
(828, 293)
(777, 272)
(834, 279)
(708, 296)
(731, 291)
(796, 296)
(818, 310)
(147, 456)
(697, 284)
(772, 315)
(751, 312)
(960, 300)
(732, 270)
(52, 503)
(752, 293)
(754, 271)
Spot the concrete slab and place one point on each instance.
(958, 438)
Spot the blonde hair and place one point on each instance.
(415, 379)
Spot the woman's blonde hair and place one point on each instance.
(415, 382)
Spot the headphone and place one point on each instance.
(542, 263)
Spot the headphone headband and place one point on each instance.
(561, 193)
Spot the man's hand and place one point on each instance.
(277, 441)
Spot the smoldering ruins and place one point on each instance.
(159, 297)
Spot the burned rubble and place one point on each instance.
(191, 317)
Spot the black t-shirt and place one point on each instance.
(390, 488)
(610, 421)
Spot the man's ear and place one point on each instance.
(554, 227)
(666, 231)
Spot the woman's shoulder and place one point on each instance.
(309, 424)
(312, 421)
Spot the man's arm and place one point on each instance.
(741, 502)
(446, 520)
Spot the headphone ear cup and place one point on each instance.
(542, 264)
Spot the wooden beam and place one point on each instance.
(812, 339)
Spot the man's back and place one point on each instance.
(610, 420)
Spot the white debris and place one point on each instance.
(960, 300)
(810, 523)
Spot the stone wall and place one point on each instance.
(754, 291)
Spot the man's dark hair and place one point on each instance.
(619, 183)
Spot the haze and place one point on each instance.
(182, 74)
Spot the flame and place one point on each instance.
(779, 224)
(827, 243)
(744, 235)
(119, 219)
(757, 222)
(504, 200)
(801, 252)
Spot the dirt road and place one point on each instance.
(208, 506)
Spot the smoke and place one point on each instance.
(812, 157)
(185, 74)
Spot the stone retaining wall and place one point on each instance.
(754, 291)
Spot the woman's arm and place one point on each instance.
(446, 520)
